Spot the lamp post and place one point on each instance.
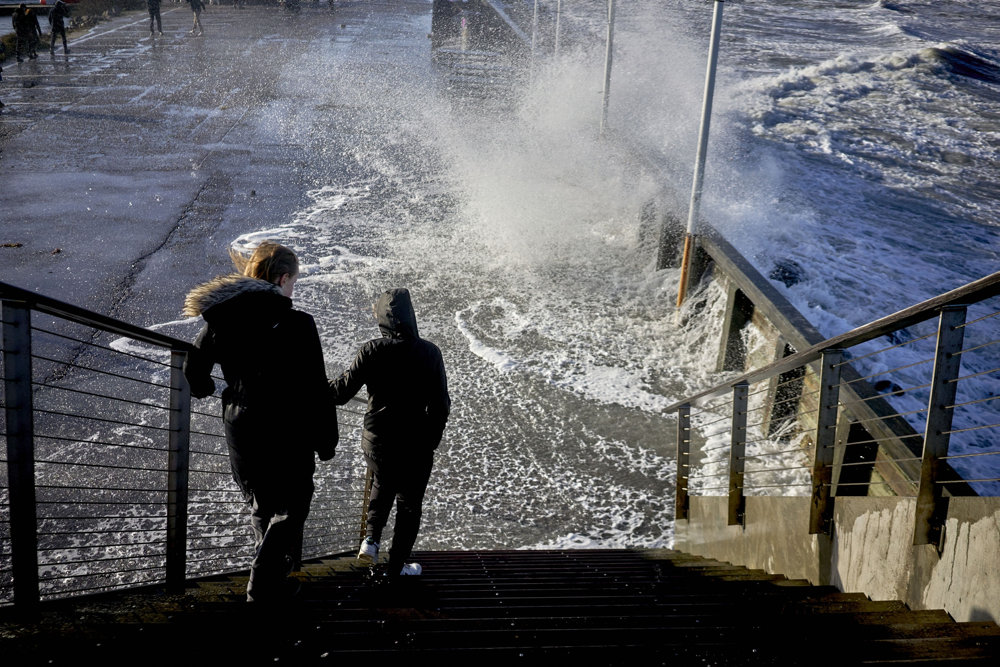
(699, 167)
(534, 30)
(558, 18)
(607, 65)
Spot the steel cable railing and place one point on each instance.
(112, 477)
(918, 416)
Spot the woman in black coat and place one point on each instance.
(273, 405)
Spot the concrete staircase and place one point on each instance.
(524, 607)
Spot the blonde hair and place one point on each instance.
(269, 261)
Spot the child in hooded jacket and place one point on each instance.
(408, 406)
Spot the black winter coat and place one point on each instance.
(274, 404)
(59, 13)
(408, 402)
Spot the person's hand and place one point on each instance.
(326, 453)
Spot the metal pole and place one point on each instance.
(826, 437)
(534, 31)
(929, 517)
(737, 455)
(607, 65)
(699, 166)
(558, 19)
(19, 412)
(683, 461)
(178, 467)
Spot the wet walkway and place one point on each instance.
(385, 158)
(131, 155)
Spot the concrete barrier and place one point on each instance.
(869, 550)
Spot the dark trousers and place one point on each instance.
(24, 44)
(403, 482)
(154, 15)
(277, 523)
(58, 30)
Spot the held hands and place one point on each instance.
(326, 452)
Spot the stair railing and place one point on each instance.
(114, 478)
(789, 429)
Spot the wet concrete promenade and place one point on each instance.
(128, 165)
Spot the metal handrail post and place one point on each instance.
(681, 505)
(928, 519)
(737, 454)
(699, 163)
(608, 57)
(19, 412)
(826, 438)
(179, 459)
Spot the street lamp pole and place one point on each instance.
(699, 168)
(607, 65)
(558, 18)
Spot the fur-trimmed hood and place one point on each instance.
(224, 288)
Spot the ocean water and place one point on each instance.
(855, 139)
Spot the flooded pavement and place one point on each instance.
(388, 149)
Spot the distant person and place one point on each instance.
(408, 406)
(154, 16)
(35, 30)
(275, 407)
(22, 32)
(57, 25)
(196, 7)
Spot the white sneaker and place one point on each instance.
(412, 569)
(368, 553)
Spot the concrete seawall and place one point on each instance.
(869, 550)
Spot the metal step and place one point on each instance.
(530, 607)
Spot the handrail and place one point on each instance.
(50, 306)
(816, 400)
(190, 502)
(978, 290)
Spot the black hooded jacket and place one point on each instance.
(274, 403)
(408, 400)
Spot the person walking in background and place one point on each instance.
(35, 32)
(408, 406)
(275, 408)
(196, 7)
(154, 16)
(22, 31)
(57, 25)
